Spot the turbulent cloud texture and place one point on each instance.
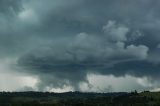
(63, 42)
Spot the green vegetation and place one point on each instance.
(79, 99)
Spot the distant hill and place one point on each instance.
(79, 99)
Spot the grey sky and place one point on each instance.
(65, 45)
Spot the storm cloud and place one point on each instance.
(71, 62)
(63, 42)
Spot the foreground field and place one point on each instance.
(79, 99)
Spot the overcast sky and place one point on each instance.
(82, 45)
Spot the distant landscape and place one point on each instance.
(145, 98)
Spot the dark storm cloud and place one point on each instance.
(69, 62)
(62, 41)
(111, 47)
(9, 37)
(89, 15)
(10, 6)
